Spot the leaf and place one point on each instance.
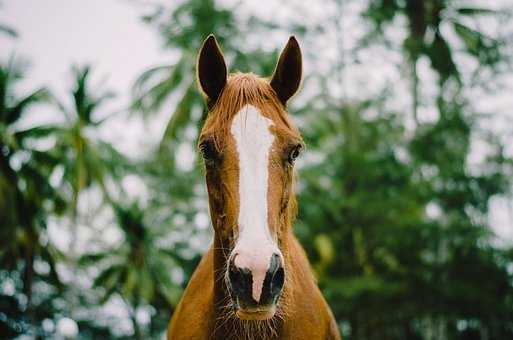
(109, 277)
(150, 73)
(472, 11)
(14, 113)
(51, 255)
(469, 36)
(148, 98)
(92, 259)
(8, 30)
(440, 54)
(130, 282)
(484, 48)
(172, 293)
(85, 103)
(146, 285)
(37, 132)
(181, 115)
(326, 252)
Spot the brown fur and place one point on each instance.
(205, 310)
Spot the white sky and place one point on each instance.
(55, 34)
(107, 34)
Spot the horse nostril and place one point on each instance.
(277, 275)
(274, 280)
(277, 283)
(240, 279)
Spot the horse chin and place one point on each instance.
(260, 313)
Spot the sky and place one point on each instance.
(109, 34)
(54, 35)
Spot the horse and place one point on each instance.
(255, 281)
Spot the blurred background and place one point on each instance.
(405, 205)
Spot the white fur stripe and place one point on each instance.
(255, 245)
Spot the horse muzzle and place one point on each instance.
(255, 287)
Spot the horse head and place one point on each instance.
(249, 146)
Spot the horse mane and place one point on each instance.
(244, 89)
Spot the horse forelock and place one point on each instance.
(240, 90)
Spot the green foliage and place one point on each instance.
(395, 266)
(405, 212)
(26, 199)
(138, 268)
(426, 34)
(86, 159)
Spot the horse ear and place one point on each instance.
(287, 75)
(211, 68)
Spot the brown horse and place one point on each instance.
(255, 281)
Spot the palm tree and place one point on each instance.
(139, 268)
(25, 191)
(87, 160)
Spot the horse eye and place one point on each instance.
(208, 150)
(294, 154)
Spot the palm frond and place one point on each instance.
(86, 103)
(475, 11)
(485, 49)
(36, 132)
(181, 115)
(155, 86)
(96, 258)
(14, 113)
(8, 30)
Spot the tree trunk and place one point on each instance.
(137, 330)
(414, 90)
(28, 271)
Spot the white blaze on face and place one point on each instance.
(255, 245)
